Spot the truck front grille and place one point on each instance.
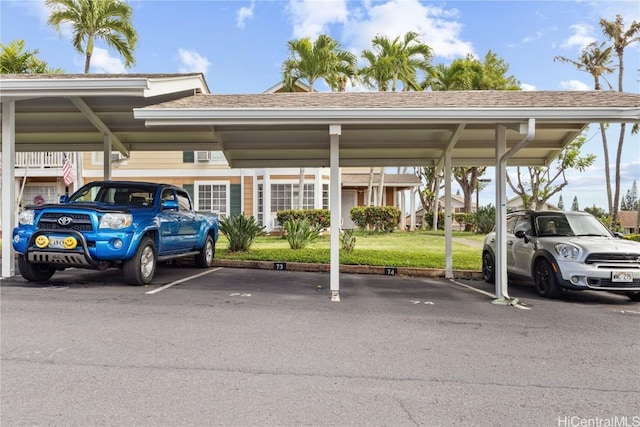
(79, 222)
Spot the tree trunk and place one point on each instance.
(381, 187)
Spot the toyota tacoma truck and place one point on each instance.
(124, 224)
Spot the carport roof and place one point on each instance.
(169, 112)
(391, 128)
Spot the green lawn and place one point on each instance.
(424, 249)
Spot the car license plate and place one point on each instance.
(621, 276)
(62, 242)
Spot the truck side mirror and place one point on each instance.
(171, 205)
(64, 198)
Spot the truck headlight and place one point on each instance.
(567, 251)
(26, 217)
(115, 221)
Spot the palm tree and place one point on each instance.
(596, 60)
(403, 59)
(106, 20)
(378, 73)
(322, 58)
(15, 60)
(621, 39)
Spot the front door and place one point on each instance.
(349, 200)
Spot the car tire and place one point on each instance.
(633, 296)
(139, 270)
(545, 280)
(488, 268)
(35, 272)
(204, 259)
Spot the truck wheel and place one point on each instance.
(634, 296)
(205, 258)
(488, 268)
(34, 272)
(545, 280)
(139, 270)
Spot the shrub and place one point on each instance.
(241, 231)
(466, 219)
(376, 218)
(427, 221)
(348, 241)
(319, 219)
(635, 237)
(485, 219)
(299, 233)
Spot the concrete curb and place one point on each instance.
(352, 269)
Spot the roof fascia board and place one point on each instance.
(214, 116)
(30, 88)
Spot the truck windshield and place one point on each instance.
(116, 194)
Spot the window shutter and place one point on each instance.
(235, 199)
(187, 157)
(189, 189)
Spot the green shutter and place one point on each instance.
(187, 157)
(189, 189)
(235, 199)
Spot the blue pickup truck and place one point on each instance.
(125, 224)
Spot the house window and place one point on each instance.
(285, 197)
(325, 196)
(260, 217)
(40, 194)
(212, 197)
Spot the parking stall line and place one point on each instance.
(480, 291)
(177, 282)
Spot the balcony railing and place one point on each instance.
(42, 160)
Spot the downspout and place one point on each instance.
(501, 281)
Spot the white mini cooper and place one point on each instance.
(565, 250)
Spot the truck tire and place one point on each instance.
(205, 258)
(35, 272)
(139, 270)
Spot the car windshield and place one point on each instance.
(116, 194)
(570, 225)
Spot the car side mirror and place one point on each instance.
(520, 234)
(64, 198)
(618, 234)
(171, 205)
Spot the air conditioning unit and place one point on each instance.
(203, 156)
(116, 156)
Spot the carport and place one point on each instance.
(443, 129)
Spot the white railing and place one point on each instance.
(42, 160)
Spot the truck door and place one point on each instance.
(189, 226)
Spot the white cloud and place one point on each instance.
(436, 26)
(573, 85)
(244, 13)
(310, 18)
(526, 86)
(580, 38)
(102, 62)
(192, 62)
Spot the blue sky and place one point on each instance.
(240, 46)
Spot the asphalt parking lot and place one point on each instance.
(241, 347)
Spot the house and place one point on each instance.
(629, 222)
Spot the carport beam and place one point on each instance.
(335, 186)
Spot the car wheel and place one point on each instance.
(205, 258)
(488, 268)
(139, 270)
(35, 272)
(633, 296)
(545, 280)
